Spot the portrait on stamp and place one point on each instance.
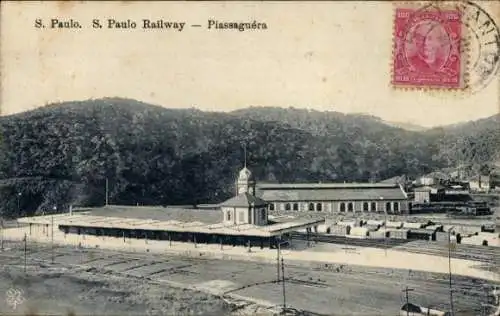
(430, 47)
(427, 49)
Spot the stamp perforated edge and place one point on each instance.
(465, 51)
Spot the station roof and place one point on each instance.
(268, 186)
(244, 200)
(331, 192)
(122, 218)
(159, 213)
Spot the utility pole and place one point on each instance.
(25, 250)
(1, 232)
(385, 232)
(407, 290)
(278, 255)
(106, 191)
(52, 237)
(283, 282)
(278, 261)
(19, 204)
(449, 270)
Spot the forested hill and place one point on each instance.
(475, 143)
(472, 144)
(62, 153)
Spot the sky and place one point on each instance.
(331, 56)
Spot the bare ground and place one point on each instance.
(68, 291)
(95, 281)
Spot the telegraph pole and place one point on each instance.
(283, 282)
(385, 232)
(407, 290)
(278, 261)
(19, 203)
(52, 237)
(449, 270)
(1, 232)
(25, 250)
(106, 191)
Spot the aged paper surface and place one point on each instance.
(322, 55)
(361, 138)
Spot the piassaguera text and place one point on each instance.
(150, 24)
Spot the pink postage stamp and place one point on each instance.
(427, 52)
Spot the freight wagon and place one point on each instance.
(338, 230)
(398, 234)
(422, 234)
(358, 232)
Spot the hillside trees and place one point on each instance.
(63, 154)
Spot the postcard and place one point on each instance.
(250, 157)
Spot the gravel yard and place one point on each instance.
(94, 281)
(60, 291)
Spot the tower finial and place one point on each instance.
(245, 151)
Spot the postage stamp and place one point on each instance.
(427, 48)
(444, 45)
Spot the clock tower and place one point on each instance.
(245, 182)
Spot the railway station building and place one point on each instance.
(342, 198)
(240, 220)
(337, 198)
(156, 223)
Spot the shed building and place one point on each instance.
(339, 198)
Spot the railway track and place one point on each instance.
(462, 251)
(468, 291)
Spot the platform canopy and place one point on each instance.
(86, 219)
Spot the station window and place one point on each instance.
(295, 206)
(388, 206)
(311, 206)
(271, 207)
(396, 206)
(287, 206)
(342, 207)
(350, 207)
(365, 206)
(228, 215)
(319, 207)
(373, 207)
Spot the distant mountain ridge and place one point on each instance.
(62, 153)
(407, 125)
